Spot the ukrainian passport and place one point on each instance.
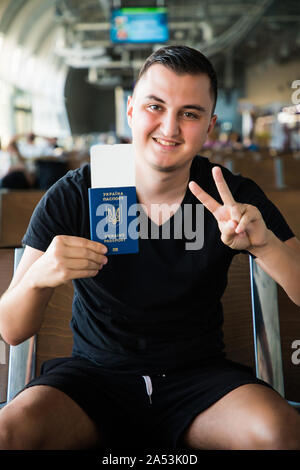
(112, 198)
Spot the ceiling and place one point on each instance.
(233, 33)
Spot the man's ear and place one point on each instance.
(129, 110)
(212, 123)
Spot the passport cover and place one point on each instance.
(109, 219)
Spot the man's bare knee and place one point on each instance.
(6, 434)
(14, 429)
(250, 417)
(42, 417)
(280, 431)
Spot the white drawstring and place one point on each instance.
(148, 386)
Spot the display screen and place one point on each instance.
(139, 25)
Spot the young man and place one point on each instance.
(148, 368)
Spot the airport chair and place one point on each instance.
(265, 318)
(267, 343)
(16, 208)
(53, 340)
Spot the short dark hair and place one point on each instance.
(183, 60)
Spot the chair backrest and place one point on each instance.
(6, 272)
(266, 328)
(16, 207)
(53, 340)
(251, 321)
(21, 365)
(236, 301)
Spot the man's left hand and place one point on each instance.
(241, 225)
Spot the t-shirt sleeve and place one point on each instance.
(57, 213)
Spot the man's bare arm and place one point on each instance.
(281, 260)
(23, 304)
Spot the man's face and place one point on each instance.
(170, 117)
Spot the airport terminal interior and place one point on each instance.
(67, 68)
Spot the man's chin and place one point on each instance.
(164, 168)
(168, 167)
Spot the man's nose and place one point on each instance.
(169, 125)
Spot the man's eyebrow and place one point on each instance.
(195, 106)
(186, 106)
(155, 98)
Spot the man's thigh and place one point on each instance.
(43, 417)
(251, 416)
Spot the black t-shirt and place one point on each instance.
(158, 309)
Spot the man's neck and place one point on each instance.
(158, 187)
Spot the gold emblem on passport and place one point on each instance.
(113, 215)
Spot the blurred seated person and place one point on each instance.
(33, 162)
(14, 171)
(32, 146)
(4, 161)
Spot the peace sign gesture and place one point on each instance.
(241, 225)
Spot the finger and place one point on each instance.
(248, 217)
(82, 253)
(61, 251)
(228, 232)
(209, 202)
(73, 274)
(70, 240)
(85, 264)
(237, 211)
(76, 269)
(232, 239)
(222, 187)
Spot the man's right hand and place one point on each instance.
(67, 258)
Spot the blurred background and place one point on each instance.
(67, 67)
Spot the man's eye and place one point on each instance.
(188, 115)
(154, 107)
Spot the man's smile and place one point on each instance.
(166, 143)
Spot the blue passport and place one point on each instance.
(113, 218)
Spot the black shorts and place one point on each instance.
(124, 408)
